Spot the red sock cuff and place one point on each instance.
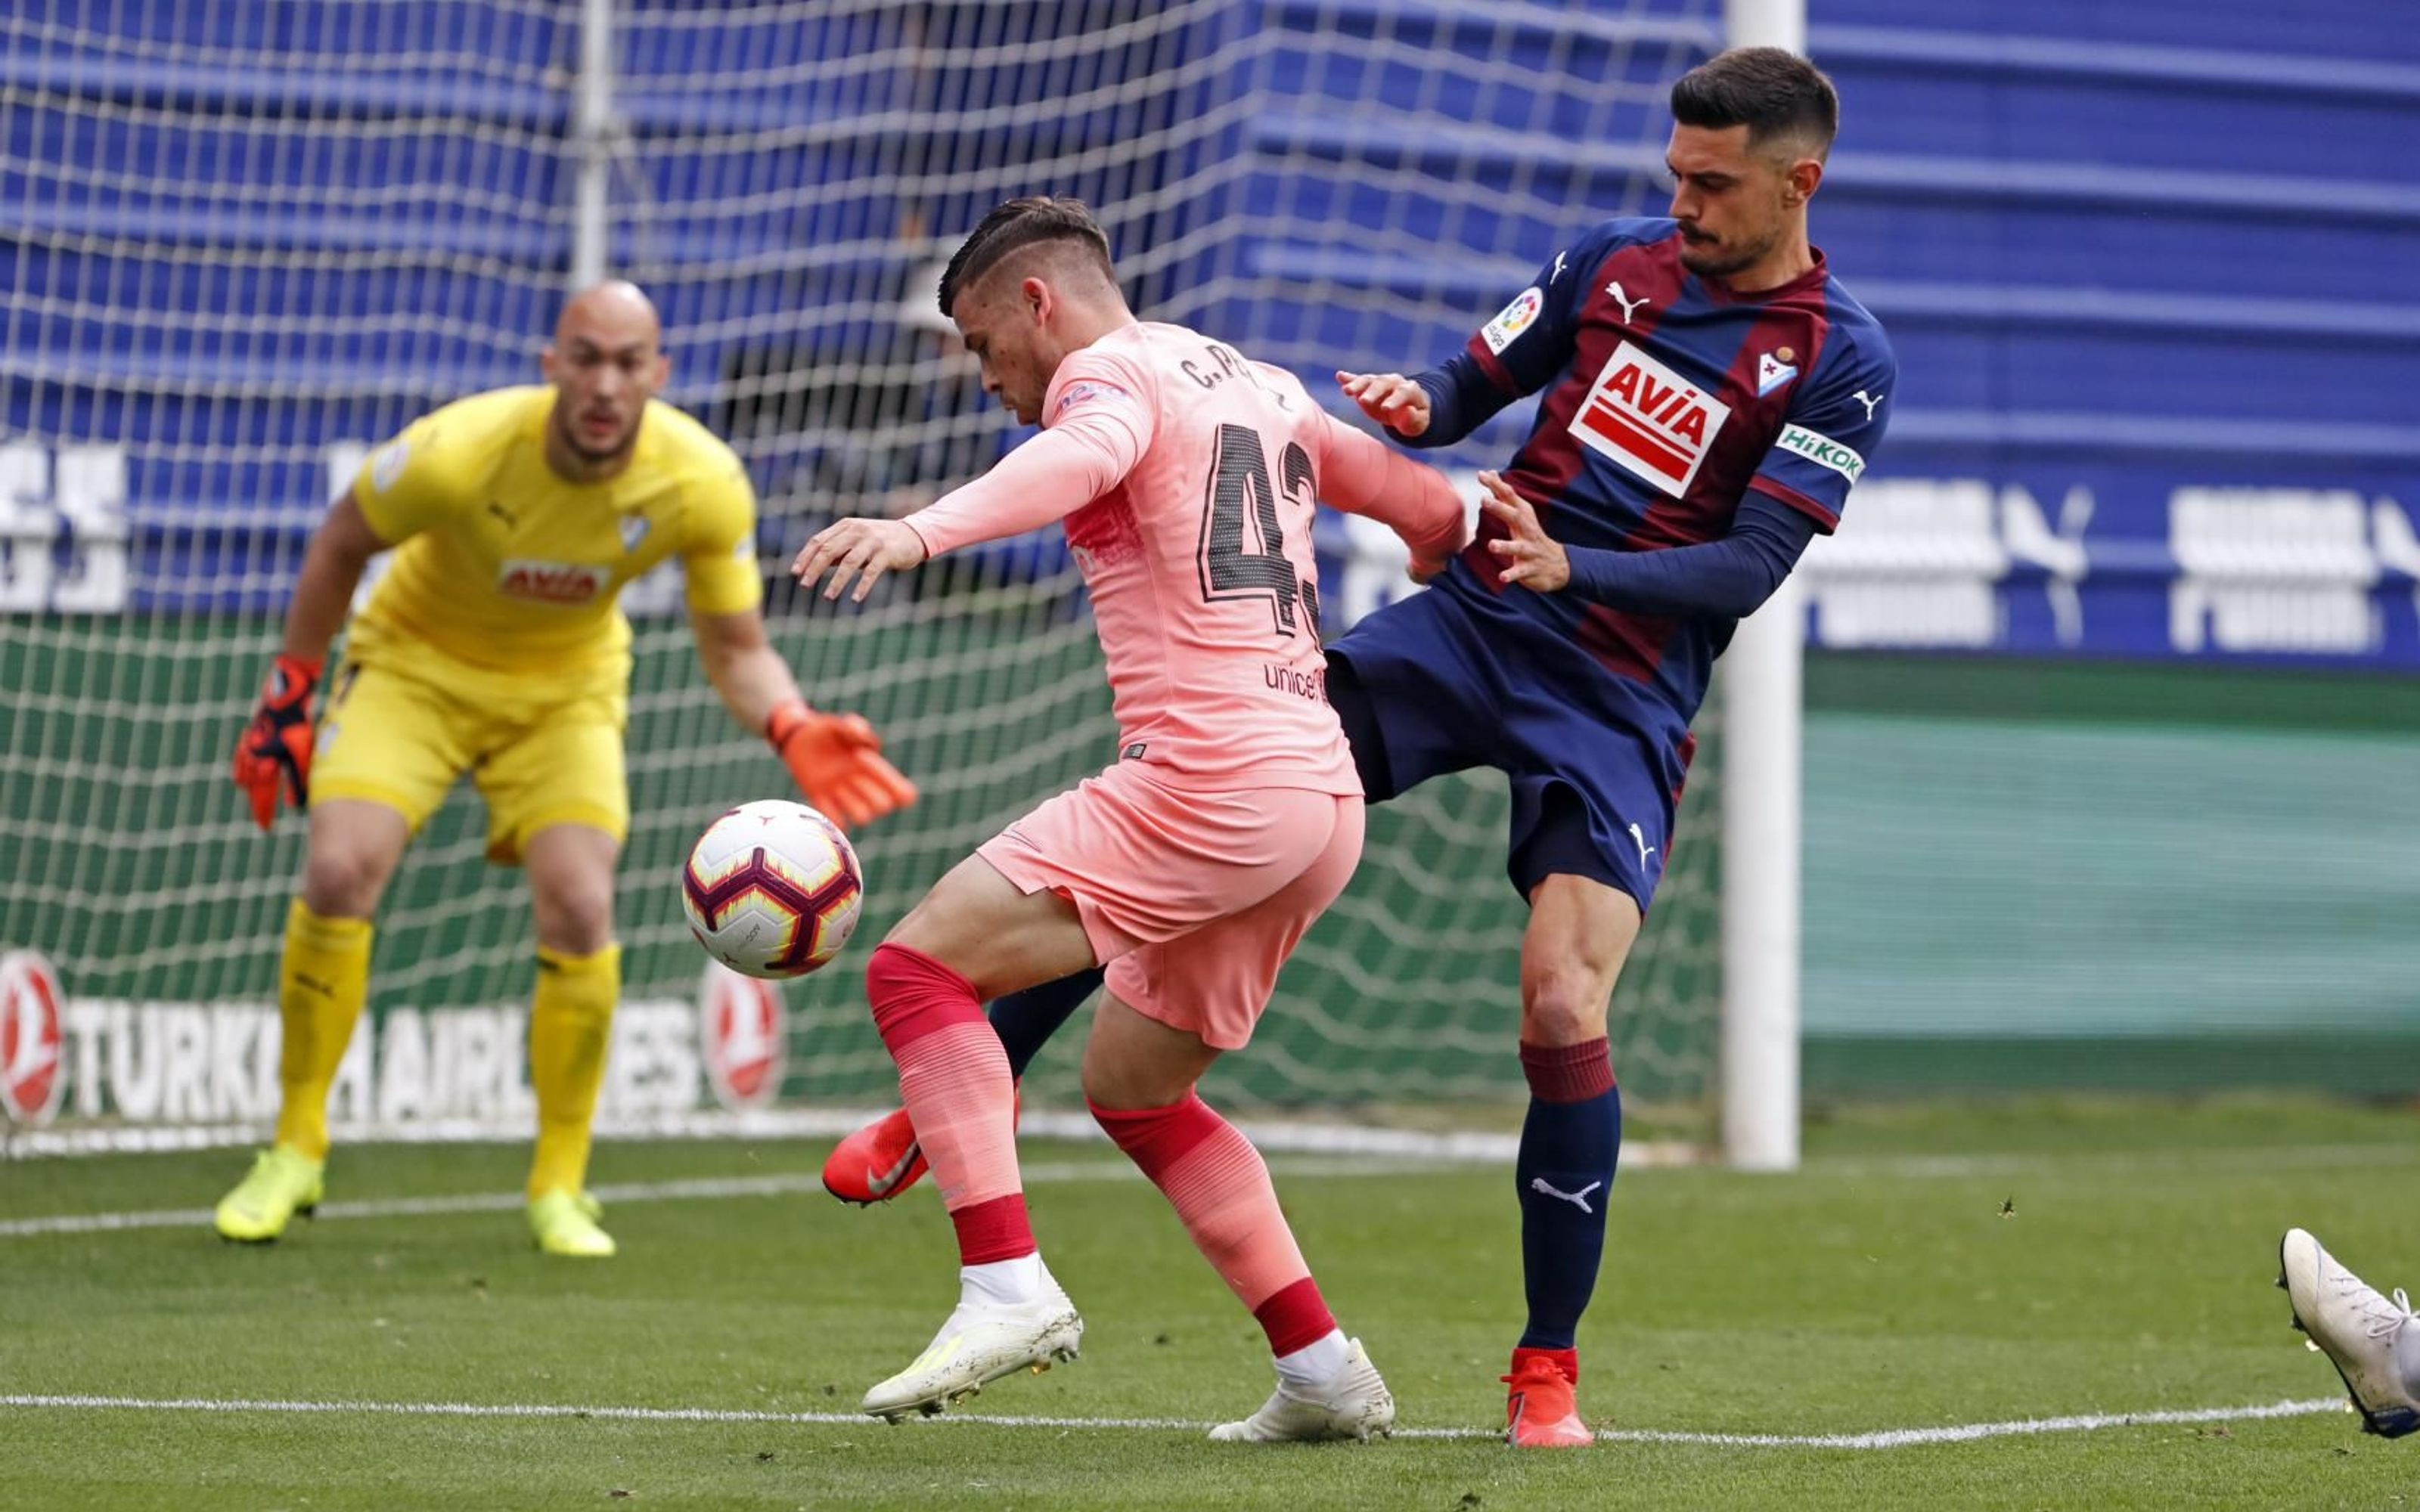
(995, 1230)
(1295, 1317)
(1155, 1138)
(914, 995)
(1567, 1361)
(1569, 1073)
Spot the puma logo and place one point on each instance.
(1577, 1199)
(1639, 837)
(1872, 404)
(1559, 269)
(1630, 307)
(498, 510)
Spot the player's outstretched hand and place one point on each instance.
(1530, 557)
(860, 549)
(837, 761)
(275, 749)
(1391, 399)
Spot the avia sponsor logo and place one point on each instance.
(33, 1034)
(744, 1032)
(551, 582)
(1822, 451)
(187, 1063)
(1513, 320)
(1650, 420)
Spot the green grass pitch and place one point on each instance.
(1882, 1288)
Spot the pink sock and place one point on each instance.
(953, 1077)
(1219, 1186)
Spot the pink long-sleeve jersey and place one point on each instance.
(1186, 477)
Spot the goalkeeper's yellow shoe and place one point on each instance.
(282, 1182)
(564, 1223)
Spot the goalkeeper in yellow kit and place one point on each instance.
(495, 645)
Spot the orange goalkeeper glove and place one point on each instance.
(276, 746)
(837, 761)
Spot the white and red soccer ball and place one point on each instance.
(772, 889)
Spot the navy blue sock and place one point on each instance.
(1025, 1020)
(1570, 1144)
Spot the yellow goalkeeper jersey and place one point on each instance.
(502, 565)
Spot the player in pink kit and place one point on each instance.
(1186, 476)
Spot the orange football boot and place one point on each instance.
(879, 1161)
(1539, 1411)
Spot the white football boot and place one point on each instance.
(2374, 1342)
(1351, 1404)
(983, 1341)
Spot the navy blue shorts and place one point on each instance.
(1424, 688)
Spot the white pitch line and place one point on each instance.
(696, 1189)
(1878, 1438)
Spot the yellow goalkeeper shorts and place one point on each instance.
(401, 729)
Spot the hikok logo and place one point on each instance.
(1650, 419)
(32, 1032)
(1513, 320)
(743, 1033)
(1822, 451)
(551, 582)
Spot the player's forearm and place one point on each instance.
(1461, 399)
(1729, 578)
(1412, 499)
(752, 680)
(323, 592)
(1041, 482)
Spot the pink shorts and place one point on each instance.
(1192, 900)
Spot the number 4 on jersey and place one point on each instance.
(1243, 503)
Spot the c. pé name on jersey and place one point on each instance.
(1650, 420)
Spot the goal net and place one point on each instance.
(246, 239)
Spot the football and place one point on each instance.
(772, 889)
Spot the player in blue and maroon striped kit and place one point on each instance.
(1710, 393)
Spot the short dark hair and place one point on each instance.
(1770, 90)
(1016, 223)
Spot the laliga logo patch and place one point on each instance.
(1515, 318)
(32, 1073)
(1650, 420)
(387, 463)
(742, 1027)
(551, 582)
(1085, 390)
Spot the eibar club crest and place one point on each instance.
(1772, 370)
